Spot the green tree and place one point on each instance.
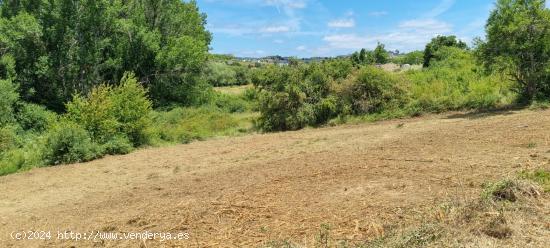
(65, 46)
(380, 54)
(518, 43)
(439, 42)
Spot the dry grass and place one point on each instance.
(233, 90)
(349, 186)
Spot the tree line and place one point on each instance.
(52, 49)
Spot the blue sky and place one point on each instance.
(307, 28)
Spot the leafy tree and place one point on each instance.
(363, 57)
(380, 54)
(439, 42)
(518, 43)
(65, 46)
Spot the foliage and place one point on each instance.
(413, 58)
(183, 125)
(439, 42)
(67, 142)
(453, 81)
(518, 44)
(380, 54)
(34, 118)
(296, 96)
(110, 111)
(371, 90)
(119, 144)
(8, 97)
(232, 103)
(220, 74)
(63, 47)
(363, 57)
(9, 138)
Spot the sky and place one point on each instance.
(311, 28)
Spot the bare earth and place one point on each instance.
(246, 191)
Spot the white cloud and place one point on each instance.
(346, 41)
(275, 29)
(412, 34)
(287, 4)
(278, 41)
(342, 23)
(301, 48)
(426, 26)
(231, 30)
(378, 13)
(443, 7)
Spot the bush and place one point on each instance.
(131, 108)
(371, 90)
(221, 74)
(11, 162)
(67, 142)
(111, 111)
(326, 109)
(25, 157)
(8, 97)
(285, 110)
(35, 118)
(95, 113)
(441, 42)
(453, 82)
(231, 103)
(9, 138)
(119, 144)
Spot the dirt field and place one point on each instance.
(361, 180)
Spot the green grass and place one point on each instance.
(183, 125)
(540, 176)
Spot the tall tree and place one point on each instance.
(518, 43)
(380, 54)
(65, 46)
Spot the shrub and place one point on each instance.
(453, 81)
(35, 118)
(131, 108)
(11, 162)
(111, 111)
(440, 42)
(285, 110)
(67, 142)
(119, 144)
(326, 109)
(221, 74)
(371, 90)
(8, 97)
(95, 113)
(230, 103)
(9, 138)
(25, 157)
